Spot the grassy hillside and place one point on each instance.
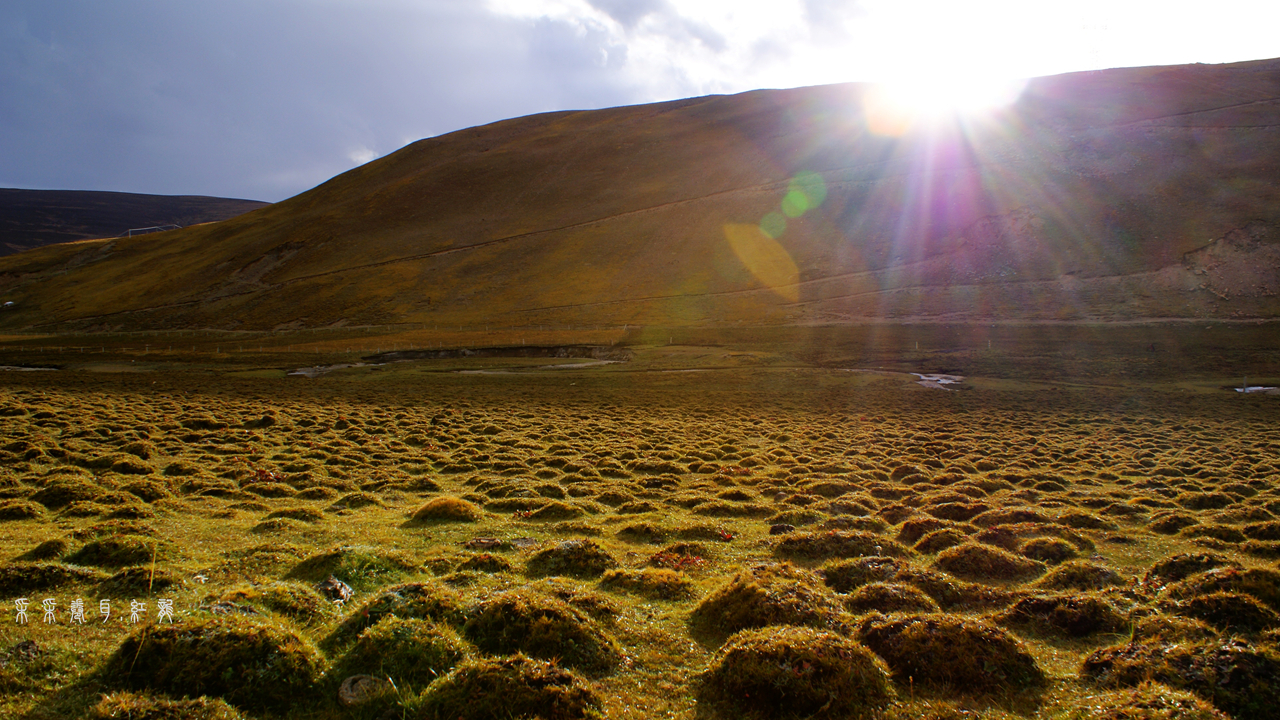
(1143, 193)
(34, 218)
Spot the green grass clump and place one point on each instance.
(361, 567)
(653, 583)
(787, 672)
(60, 493)
(1184, 565)
(427, 601)
(294, 600)
(1171, 629)
(47, 550)
(250, 664)
(509, 687)
(984, 563)
(1069, 615)
(889, 598)
(582, 558)
(19, 578)
(837, 544)
(117, 551)
(1237, 677)
(1148, 701)
(769, 594)
(1050, 551)
(485, 562)
(940, 540)
(410, 651)
(447, 509)
(1228, 611)
(543, 627)
(20, 510)
(1080, 575)
(302, 514)
(1261, 583)
(951, 652)
(142, 706)
(848, 575)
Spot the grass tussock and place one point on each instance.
(787, 672)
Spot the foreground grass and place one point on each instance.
(631, 528)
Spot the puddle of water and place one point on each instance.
(318, 370)
(1268, 389)
(16, 368)
(938, 381)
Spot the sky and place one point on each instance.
(264, 99)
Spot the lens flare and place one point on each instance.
(894, 107)
(768, 261)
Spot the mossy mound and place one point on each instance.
(940, 540)
(951, 652)
(543, 627)
(653, 583)
(1171, 629)
(769, 594)
(1261, 583)
(556, 510)
(47, 550)
(301, 514)
(1171, 523)
(643, 532)
(117, 551)
(137, 581)
(1069, 615)
(1050, 551)
(847, 575)
(295, 600)
(20, 510)
(19, 578)
(787, 672)
(1237, 677)
(1182, 566)
(252, 665)
(427, 601)
(410, 651)
(141, 706)
(447, 509)
(1080, 575)
(486, 563)
(581, 558)
(511, 687)
(889, 598)
(361, 567)
(1148, 701)
(1228, 611)
(62, 492)
(984, 563)
(148, 490)
(837, 544)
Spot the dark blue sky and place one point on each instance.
(264, 99)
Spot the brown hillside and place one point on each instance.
(1123, 194)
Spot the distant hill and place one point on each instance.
(33, 218)
(1127, 194)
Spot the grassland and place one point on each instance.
(1058, 538)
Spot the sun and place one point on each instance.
(895, 105)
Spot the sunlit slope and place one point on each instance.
(1137, 193)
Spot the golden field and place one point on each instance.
(607, 540)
